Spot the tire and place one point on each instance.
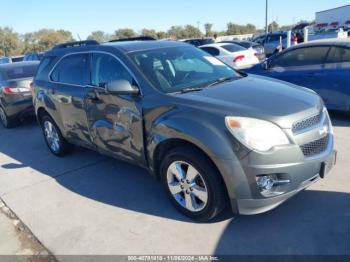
(53, 137)
(203, 196)
(6, 121)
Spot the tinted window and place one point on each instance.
(301, 57)
(43, 69)
(233, 48)
(339, 55)
(16, 72)
(72, 69)
(211, 50)
(274, 38)
(106, 68)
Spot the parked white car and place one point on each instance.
(233, 55)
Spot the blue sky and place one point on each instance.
(83, 16)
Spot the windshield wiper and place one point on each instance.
(190, 89)
(222, 80)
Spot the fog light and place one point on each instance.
(270, 185)
(266, 182)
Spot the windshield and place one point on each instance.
(233, 48)
(175, 69)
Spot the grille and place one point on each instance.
(307, 123)
(315, 147)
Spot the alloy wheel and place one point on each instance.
(187, 186)
(51, 136)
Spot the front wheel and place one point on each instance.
(193, 184)
(53, 137)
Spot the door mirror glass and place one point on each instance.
(121, 87)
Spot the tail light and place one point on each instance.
(14, 90)
(239, 58)
(255, 54)
(31, 87)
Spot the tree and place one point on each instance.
(124, 33)
(192, 31)
(162, 35)
(273, 27)
(235, 29)
(9, 42)
(45, 39)
(208, 29)
(176, 32)
(149, 32)
(99, 36)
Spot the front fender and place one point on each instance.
(209, 136)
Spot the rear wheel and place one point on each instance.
(53, 137)
(6, 121)
(193, 184)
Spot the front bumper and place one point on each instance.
(301, 176)
(256, 206)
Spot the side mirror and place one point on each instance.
(121, 87)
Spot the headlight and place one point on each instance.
(256, 134)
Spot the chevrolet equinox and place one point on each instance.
(212, 135)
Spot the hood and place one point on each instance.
(259, 97)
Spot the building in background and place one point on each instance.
(333, 18)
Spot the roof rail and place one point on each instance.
(138, 38)
(76, 44)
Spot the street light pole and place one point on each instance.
(266, 17)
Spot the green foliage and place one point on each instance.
(180, 32)
(124, 33)
(99, 36)
(45, 39)
(9, 42)
(235, 29)
(149, 32)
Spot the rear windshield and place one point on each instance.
(15, 72)
(233, 48)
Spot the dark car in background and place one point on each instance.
(322, 65)
(250, 45)
(33, 56)
(271, 42)
(212, 135)
(198, 41)
(15, 92)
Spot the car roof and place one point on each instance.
(123, 46)
(218, 45)
(18, 64)
(332, 41)
(133, 46)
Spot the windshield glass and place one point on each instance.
(174, 69)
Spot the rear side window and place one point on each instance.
(233, 48)
(339, 55)
(301, 57)
(73, 69)
(211, 50)
(43, 69)
(106, 68)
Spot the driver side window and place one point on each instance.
(106, 68)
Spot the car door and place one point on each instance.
(115, 121)
(70, 77)
(300, 66)
(337, 71)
